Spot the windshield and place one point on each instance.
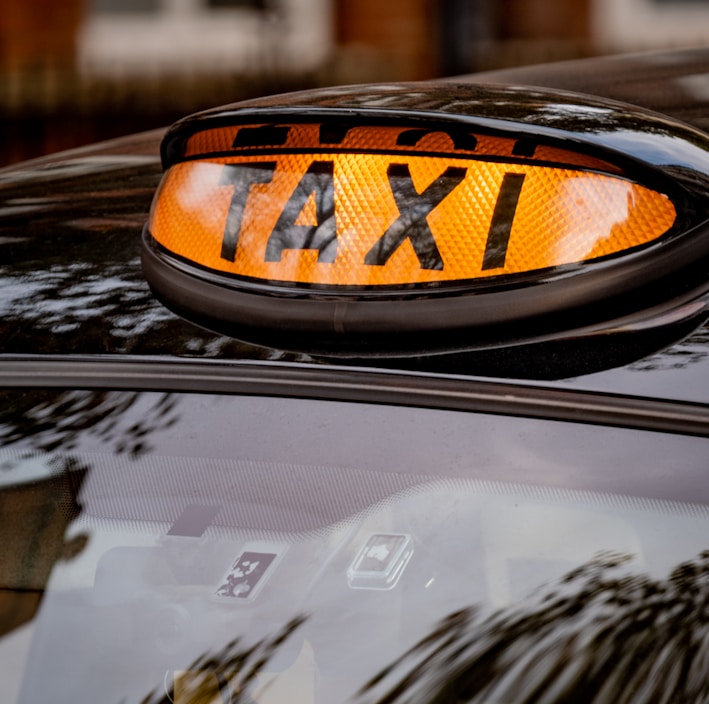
(204, 548)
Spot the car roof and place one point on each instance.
(71, 284)
(673, 83)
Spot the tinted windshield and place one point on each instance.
(198, 548)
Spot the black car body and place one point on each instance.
(191, 517)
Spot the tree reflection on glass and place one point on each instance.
(601, 635)
(55, 420)
(226, 675)
(34, 516)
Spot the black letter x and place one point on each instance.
(413, 209)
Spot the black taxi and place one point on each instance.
(376, 394)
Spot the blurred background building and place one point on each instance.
(75, 71)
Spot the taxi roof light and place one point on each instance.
(364, 230)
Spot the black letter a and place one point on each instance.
(317, 181)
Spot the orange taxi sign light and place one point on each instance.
(389, 206)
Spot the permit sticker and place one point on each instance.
(247, 575)
(381, 561)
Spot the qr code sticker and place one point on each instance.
(245, 575)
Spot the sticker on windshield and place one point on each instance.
(381, 561)
(246, 576)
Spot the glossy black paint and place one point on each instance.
(671, 83)
(71, 284)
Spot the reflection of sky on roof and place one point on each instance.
(106, 310)
(63, 297)
(683, 376)
(79, 166)
(659, 149)
(560, 108)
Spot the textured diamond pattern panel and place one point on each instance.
(392, 209)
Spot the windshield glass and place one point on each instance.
(200, 548)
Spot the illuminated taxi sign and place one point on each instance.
(381, 206)
(428, 218)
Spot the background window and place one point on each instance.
(126, 6)
(249, 4)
